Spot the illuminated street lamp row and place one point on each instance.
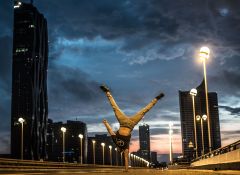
(138, 161)
(135, 159)
(64, 130)
(203, 55)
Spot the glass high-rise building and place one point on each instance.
(144, 141)
(187, 121)
(29, 82)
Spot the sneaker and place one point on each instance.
(160, 96)
(104, 88)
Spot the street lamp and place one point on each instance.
(170, 141)
(103, 145)
(93, 142)
(193, 93)
(116, 156)
(81, 137)
(63, 129)
(110, 154)
(204, 117)
(21, 120)
(204, 55)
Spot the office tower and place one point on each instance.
(144, 141)
(187, 121)
(29, 82)
(72, 141)
(154, 157)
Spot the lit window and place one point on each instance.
(18, 50)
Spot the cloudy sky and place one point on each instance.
(138, 48)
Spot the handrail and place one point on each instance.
(219, 151)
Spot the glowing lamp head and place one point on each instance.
(193, 92)
(80, 136)
(93, 141)
(198, 117)
(204, 117)
(170, 124)
(21, 120)
(103, 144)
(110, 146)
(204, 53)
(17, 4)
(63, 129)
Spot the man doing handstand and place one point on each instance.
(122, 137)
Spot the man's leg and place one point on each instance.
(110, 131)
(139, 115)
(118, 113)
(126, 152)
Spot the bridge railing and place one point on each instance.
(219, 151)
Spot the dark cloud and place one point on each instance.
(6, 18)
(73, 94)
(6, 58)
(233, 111)
(5, 73)
(228, 80)
(5, 142)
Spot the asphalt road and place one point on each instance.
(114, 171)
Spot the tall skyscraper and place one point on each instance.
(144, 142)
(187, 121)
(29, 82)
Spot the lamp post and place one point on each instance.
(116, 156)
(134, 160)
(21, 120)
(193, 93)
(204, 55)
(81, 137)
(130, 158)
(103, 145)
(63, 129)
(170, 141)
(110, 154)
(204, 117)
(93, 142)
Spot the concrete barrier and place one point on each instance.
(229, 160)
